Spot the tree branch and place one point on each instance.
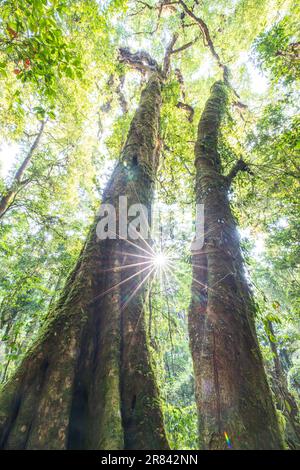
(292, 51)
(206, 38)
(122, 100)
(24, 165)
(207, 41)
(140, 60)
(188, 108)
(180, 80)
(143, 62)
(240, 165)
(182, 104)
(185, 46)
(169, 51)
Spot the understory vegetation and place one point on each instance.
(75, 87)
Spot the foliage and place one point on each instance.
(279, 50)
(59, 62)
(34, 42)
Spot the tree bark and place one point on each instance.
(8, 198)
(88, 382)
(285, 401)
(232, 394)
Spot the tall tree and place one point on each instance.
(88, 381)
(18, 181)
(232, 394)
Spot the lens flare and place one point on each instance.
(228, 441)
(160, 260)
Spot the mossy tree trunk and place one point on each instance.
(232, 393)
(285, 401)
(88, 382)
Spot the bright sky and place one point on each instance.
(8, 154)
(259, 241)
(258, 82)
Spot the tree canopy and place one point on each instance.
(63, 74)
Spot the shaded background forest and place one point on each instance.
(61, 77)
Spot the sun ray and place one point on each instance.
(131, 243)
(137, 289)
(125, 266)
(119, 284)
(204, 286)
(134, 254)
(203, 266)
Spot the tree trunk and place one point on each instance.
(8, 198)
(286, 403)
(88, 382)
(233, 398)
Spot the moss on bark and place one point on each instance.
(232, 393)
(70, 390)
